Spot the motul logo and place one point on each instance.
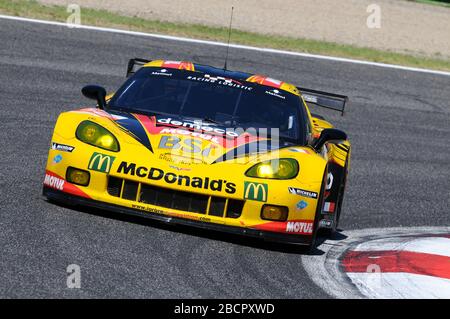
(54, 182)
(299, 227)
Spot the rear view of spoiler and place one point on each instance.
(134, 65)
(323, 99)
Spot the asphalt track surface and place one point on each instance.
(398, 122)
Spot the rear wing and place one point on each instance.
(331, 101)
(134, 65)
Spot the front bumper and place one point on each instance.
(73, 200)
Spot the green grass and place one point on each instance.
(442, 3)
(32, 9)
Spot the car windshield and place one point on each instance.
(217, 100)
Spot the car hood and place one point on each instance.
(186, 140)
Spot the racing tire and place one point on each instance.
(320, 203)
(328, 232)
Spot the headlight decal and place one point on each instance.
(283, 168)
(96, 135)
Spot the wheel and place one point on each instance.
(341, 196)
(337, 214)
(320, 202)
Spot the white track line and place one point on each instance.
(436, 246)
(236, 46)
(400, 285)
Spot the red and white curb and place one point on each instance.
(384, 263)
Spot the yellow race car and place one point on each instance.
(202, 146)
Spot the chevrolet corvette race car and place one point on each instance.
(201, 146)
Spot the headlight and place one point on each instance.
(94, 134)
(275, 213)
(77, 176)
(283, 168)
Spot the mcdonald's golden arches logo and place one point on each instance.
(100, 162)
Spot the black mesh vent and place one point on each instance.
(217, 206)
(179, 200)
(130, 190)
(234, 208)
(147, 194)
(164, 197)
(199, 203)
(114, 186)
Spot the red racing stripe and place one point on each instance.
(398, 261)
(147, 122)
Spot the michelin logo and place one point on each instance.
(62, 147)
(302, 192)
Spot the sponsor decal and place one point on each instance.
(62, 147)
(172, 158)
(58, 158)
(299, 227)
(173, 214)
(196, 125)
(202, 136)
(330, 179)
(162, 72)
(149, 209)
(180, 168)
(156, 174)
(221, 78)
(326, 223)
(204, 219)
(54, 182)
(220, 81)
(57, 182)
(328, 207)
(227, 138)
(100, 162)
(188, 145)
(256, 191)
(301, 205)
(276, 93)
(302, 192)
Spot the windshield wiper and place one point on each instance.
(207, 119)
(141, 111)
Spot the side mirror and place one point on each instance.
(329, 135)
(95, 92)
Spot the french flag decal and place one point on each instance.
(328, 207)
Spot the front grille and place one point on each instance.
(169, 198)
